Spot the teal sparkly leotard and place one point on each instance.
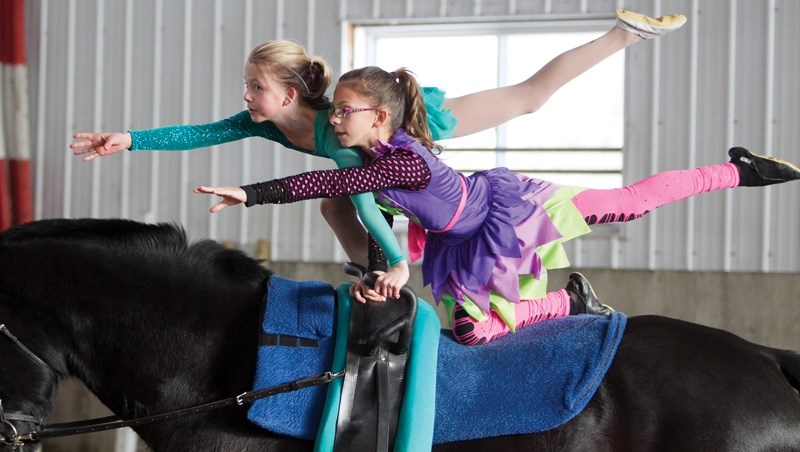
(240, 126)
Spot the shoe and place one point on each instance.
(759, 170)
(582, 297)
(647, 27)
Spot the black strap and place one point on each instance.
(22, 346)
(384, 407)
(112, 422)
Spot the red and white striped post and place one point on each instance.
(15, 188)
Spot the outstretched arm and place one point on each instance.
(175, 138)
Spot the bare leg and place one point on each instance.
(490, 108)
(341, 217)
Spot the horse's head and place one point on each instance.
(113, 303)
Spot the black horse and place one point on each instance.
(151, 324)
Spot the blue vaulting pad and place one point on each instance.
(296, 342)
(533, 380)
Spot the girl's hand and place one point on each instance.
(390, 283)
(230, 196)
(363, 293)
(95, 145)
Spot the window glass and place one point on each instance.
(585, 113)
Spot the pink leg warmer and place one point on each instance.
(632, 201)
(468, 331)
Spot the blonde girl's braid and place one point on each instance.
(291, 66)
(399, 93)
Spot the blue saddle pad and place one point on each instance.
(296, 341)
(533, 380)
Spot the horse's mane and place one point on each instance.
(118, 231)
(131, 238)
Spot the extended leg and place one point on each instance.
(490, 108)
(632, 201)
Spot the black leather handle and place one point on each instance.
(404, 324)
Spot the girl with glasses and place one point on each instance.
(489, 237)
(286, 103)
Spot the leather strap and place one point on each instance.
(372, 392)
(112, 422)
(384, 406)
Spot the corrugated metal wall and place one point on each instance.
(729, 78)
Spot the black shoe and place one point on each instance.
(582, 297)
(759, 170)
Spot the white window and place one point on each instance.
(575, 139)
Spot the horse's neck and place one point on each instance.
(174, 358)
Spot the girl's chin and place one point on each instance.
(256, 118)
(347, 142)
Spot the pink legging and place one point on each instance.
(628, 203)
(596, 207)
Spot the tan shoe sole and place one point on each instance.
(646, 26)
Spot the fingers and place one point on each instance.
(219, 191)
(387, 287)
(358, 297)
(81, 147)
(230, 196)
(362, 293)
(218, 206)
(372, 294)
(355, 292)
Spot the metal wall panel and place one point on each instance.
(729, 78)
